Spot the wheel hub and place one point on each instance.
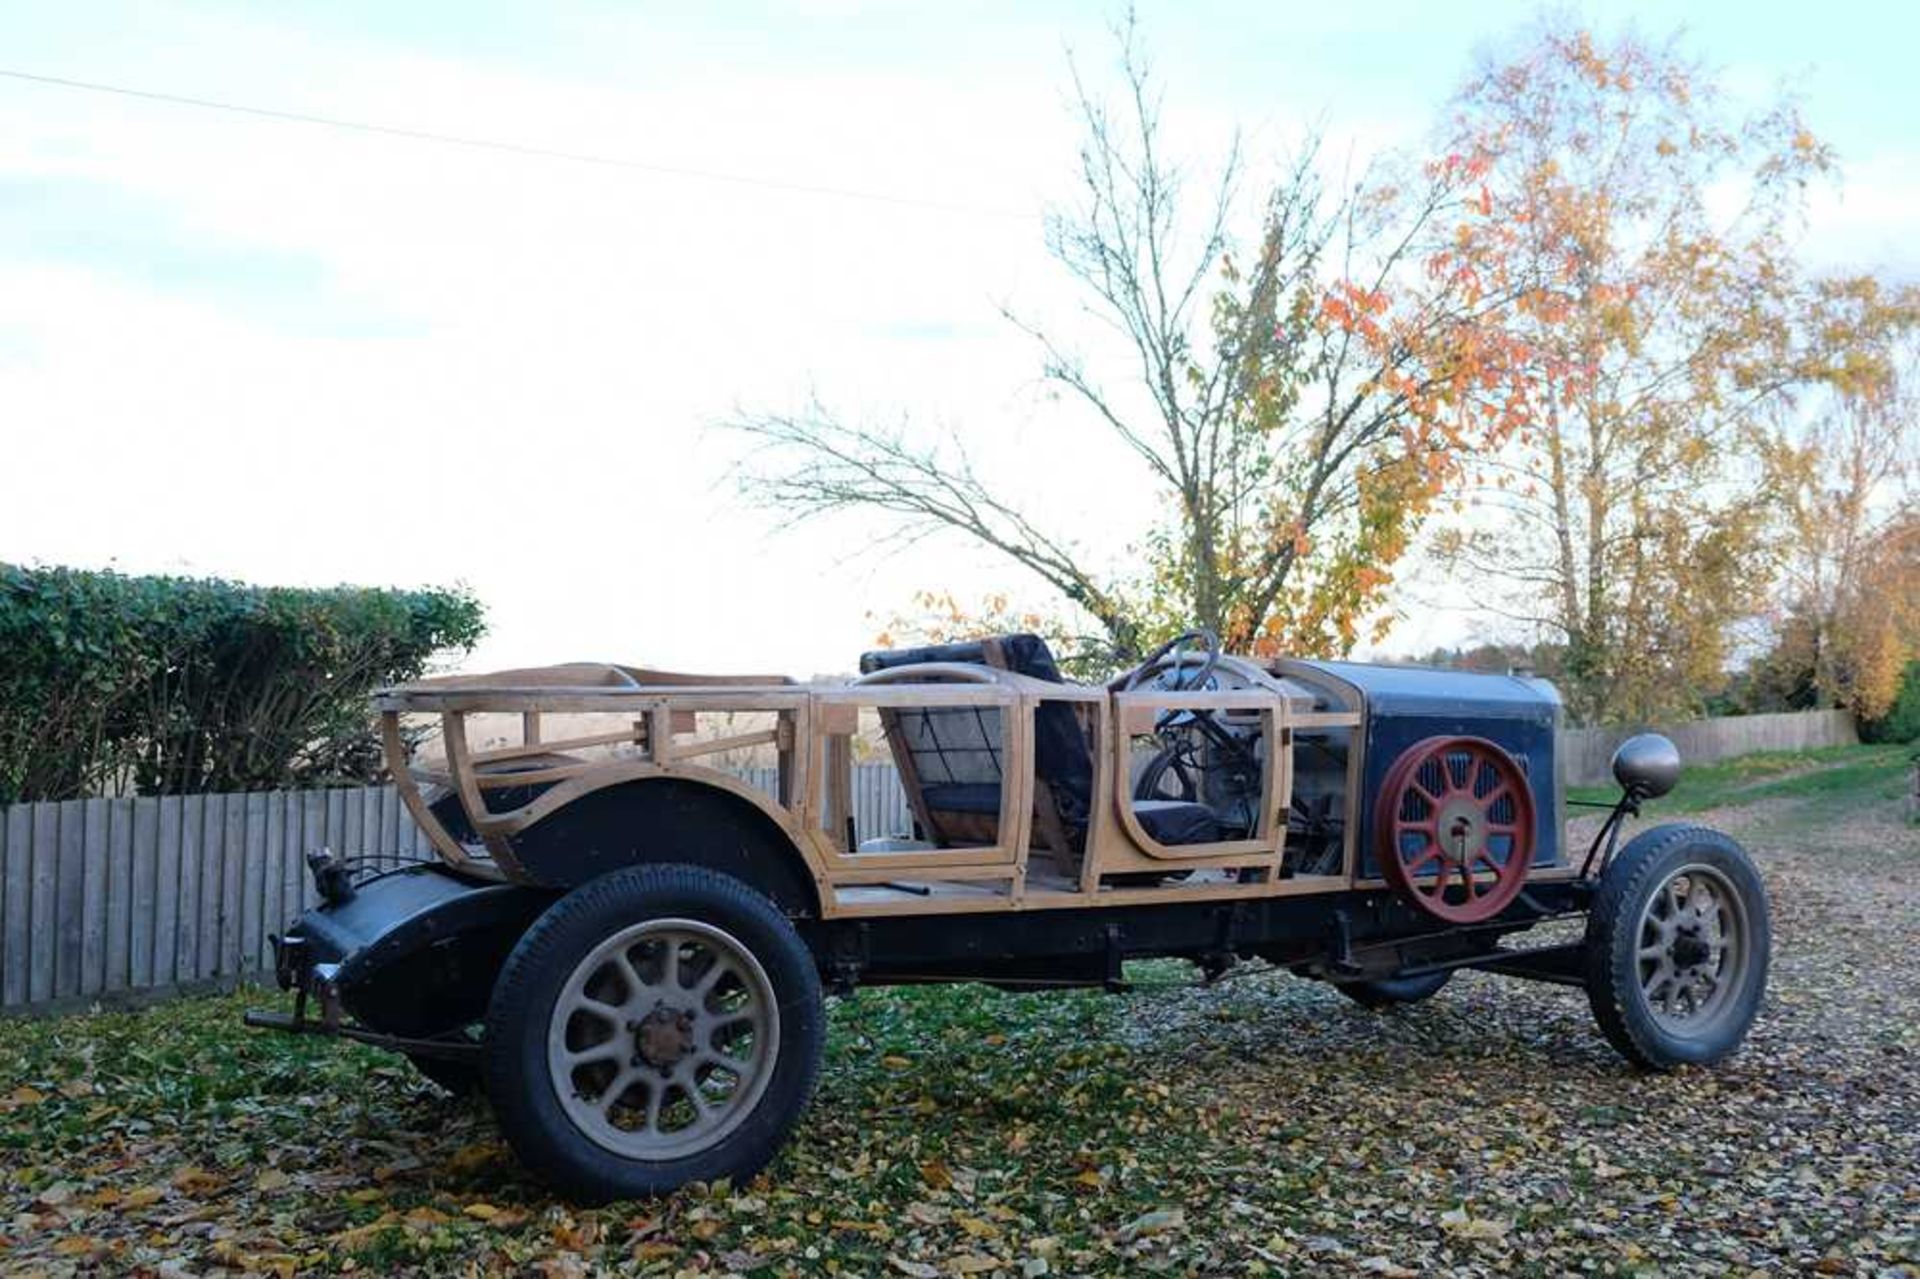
(1461, 827)
(1689, 951)
(663, 1036)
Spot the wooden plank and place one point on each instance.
(119, 912)
(233, 891)
(316, 823)
(253, 879)
(16, 915)
(186, 933)
(273, 877)
(213, 861)
(144, 892)
(168, 890)
(213, 857)
(93, 897)
(351, 840)
(392, 827)
(371, 844)
(420, 841)
(70, 898)
(293, 865)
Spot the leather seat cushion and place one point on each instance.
(1175, 821)
(1170, 821)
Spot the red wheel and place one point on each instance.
(1455, 822)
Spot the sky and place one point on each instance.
(287, 353)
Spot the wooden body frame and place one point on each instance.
(813, 736)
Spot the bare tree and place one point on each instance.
(1301, 408)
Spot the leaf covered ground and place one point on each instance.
(1264, 1125)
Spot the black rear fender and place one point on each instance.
(416, 950)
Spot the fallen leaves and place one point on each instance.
(1153, 1223)
(1463, 1225)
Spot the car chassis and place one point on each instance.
(625, 944)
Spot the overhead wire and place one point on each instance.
(513, 148)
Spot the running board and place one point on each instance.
(1562, 965)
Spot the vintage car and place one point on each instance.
(626, 937)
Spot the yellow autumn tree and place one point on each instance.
(1849, 620)
(1645, 232)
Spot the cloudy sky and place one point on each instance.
(285, 352)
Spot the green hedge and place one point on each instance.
(169, 685)
(1901, 723)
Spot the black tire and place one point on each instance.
(523, 1090)
(1626, 986)
(1392, 992)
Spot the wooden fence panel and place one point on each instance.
(16, 877)
(168, 876)
(186, 963)
(253, 877)
(273, 876)
(40, 958)
(233, 854)
(118, 912)
(70, 887)
(93, 897)
(145, 892)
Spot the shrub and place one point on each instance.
(1901, 723)
(164, 685)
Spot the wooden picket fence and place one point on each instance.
(103, 897)
(106, 899)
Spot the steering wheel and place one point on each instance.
(1179, 647)
(1167, 667)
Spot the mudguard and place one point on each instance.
(412, 952)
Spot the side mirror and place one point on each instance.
(1647, 765)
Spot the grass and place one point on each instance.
(1847, 774)
(1261, 1126)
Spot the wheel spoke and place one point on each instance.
(656, 1097)
(712, 978)
(606, 1050)
(615, 1090)
(631, 978)
(609, 1013)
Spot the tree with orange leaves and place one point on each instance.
(1645, 234)
(1300, 397)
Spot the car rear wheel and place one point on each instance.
(658, 1025)
(1391, 992)
(1677, 947)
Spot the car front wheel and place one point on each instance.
(658, 1025)
(1677, 947)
